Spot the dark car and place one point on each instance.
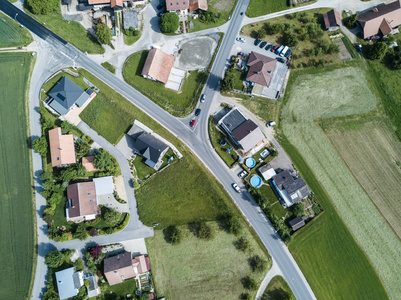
(160, 6)
(287, 54)
(268, 47)
(262, 44)
(280, 59)
(273, 48)
(192, 123)
(241, 13)
(197, 112)
(257, 41)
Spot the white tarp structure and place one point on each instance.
(175, 79)
(104, 185)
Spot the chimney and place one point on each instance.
(375, 9)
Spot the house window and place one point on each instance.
(177, 3)
(89, 193)
(171, 4)
(58, 158)
(184, 3)
(90, 200)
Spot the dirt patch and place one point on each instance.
(344, 54)
(196, 53)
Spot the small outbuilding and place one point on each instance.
(104, 185)
(68, 283)
(87, 163)
(332, 20)
(267, 172)
(297, 223)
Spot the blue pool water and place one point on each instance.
(256, 181)
(250, 162)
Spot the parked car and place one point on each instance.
(280, 59)
(240, 39)
(262, 44)
(236, 187)
(270, 124)
(287, 53)
(243, 174)
(241, 13)
(257, 42)
(197, 112)
(273, 48)
(160, 6)
(192, 123)
(268, 47)
(203, 98)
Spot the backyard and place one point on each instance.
(278, 289)
(203, 269)
(327, 251)
(177, 103)
(17, 213)
(12, 34)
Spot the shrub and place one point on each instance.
(173, 235)
(261, 33)
(257, 264)
(249, 283)
(111, 217)
(42, 7)
(298, 209)
(316, 209)
(350, 21)
(54, 259)
(234, 225)
(82, 149)
(300, 66)
(377, 51)
(80, 232)
(205, 232)
(105, 162)
(131, 32)
(66, 126)
(273, 28)
(78, 265)
(243, 244)
(40, 145)
(290, 39)
(169, 22)
(208, 17)
(227, 83)
(95, 251)
(93, 232)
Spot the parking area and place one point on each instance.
(196, 53)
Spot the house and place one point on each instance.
(66, 94)
(260, 68)
(242, 131)
(116, 4)
(87, 162)
(81, 202)
(68, 283)
(62, 150)
(140, 264)
(118, 268)
(158, 65)
(266, 171)
(130, 19)
(381, 19)
(183, 6)
(297, 223)
(148, 146)
(197, 5)
(289, 189)
(332, 20)
(104, 185)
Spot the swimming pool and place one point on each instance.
(256, 181)
(250, 162)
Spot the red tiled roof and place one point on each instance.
(62, 149)
(261, 68)
(177, 5)
(118, 268)
(158, 65)
(197, 4)
(331, 18)
(87, 162)
(112, 2)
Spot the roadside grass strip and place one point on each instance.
(338, 93)
(277, 289)
(11, 34)
(16, 194)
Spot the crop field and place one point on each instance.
(339, 93)
(258, 8)
(11, 34)
(16, 207)
(372, 152)
(187, 269)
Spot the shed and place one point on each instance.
(332, 20)
(267, 172)
(297, 223)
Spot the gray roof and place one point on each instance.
(117, 262)
(147, 145)
(285, 181)
(65, 94)
(297, 223)
(130, 19)
(67, 283)
(104, 185)
(233, 119)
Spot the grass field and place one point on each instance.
(258, 8)
(11, 33)
(372, 152)
(177, 103)
(108, 66)
(278, 289)
(16, 213)
(187, 269)
(326, 251)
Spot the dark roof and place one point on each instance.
(285, 181)
(261, 68)
(233, 119)
(244, 129)
(297, 223)
(331, 18)
(117, 262)
(65, 94)
(148, 146)
(66, 1)
(130, 19)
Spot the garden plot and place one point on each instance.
(339, 93)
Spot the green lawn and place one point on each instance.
(258, 8)
(129, 40)
(72, 31)
(203, 269)
(11, 33)
(17, 211)
(108, 66)
(326, 252)
(278, 289)
(276, 206)
(142, 169)
(177, 103)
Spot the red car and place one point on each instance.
(192, 124)
(273, 48)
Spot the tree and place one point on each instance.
(261, 33)
(80, 232)
(68, 174)
(226, 84)
(66, 126)
(103, 33)
(95, 251)
(78, 264)
(290, 39)
(40, 145)
(258, 264)
(243, 244)
(112, 217)
(234, 226)
(144, 296)
(273, 28)
(93, 232)
(205, 232)
(207, 17)
(298, 209)
(377, 51)
(350, 21)
(54, 259)
(169, 22)
(249, 283)
(173, 235)
(82, 149)
(42, 7)
(104, 161)
(47, 124)
(395, 58)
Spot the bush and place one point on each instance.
(169, 22)
(273, 28)
(42, 7)
(243, 244)
(261, 33)
(93, 232)
(95, 251)
(82, 149)
(316, 209)
(111, 217)
(205, 232)
(233, 225)
(173, 235)
(350, 21)
(227, 83)
(78, 265)
(377, 51)
(298, 209)
(131, 32)
(257, 264)
(208, 17)
(80, 232)
(54, 259)
(249, 283)
(290, 39)
(105, 162)
(40, 145)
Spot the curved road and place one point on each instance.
(197, 141)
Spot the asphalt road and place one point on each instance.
(197, 141)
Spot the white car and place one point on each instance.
(236, 187)
(240, 39)
(243, 174)
(203, 98)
